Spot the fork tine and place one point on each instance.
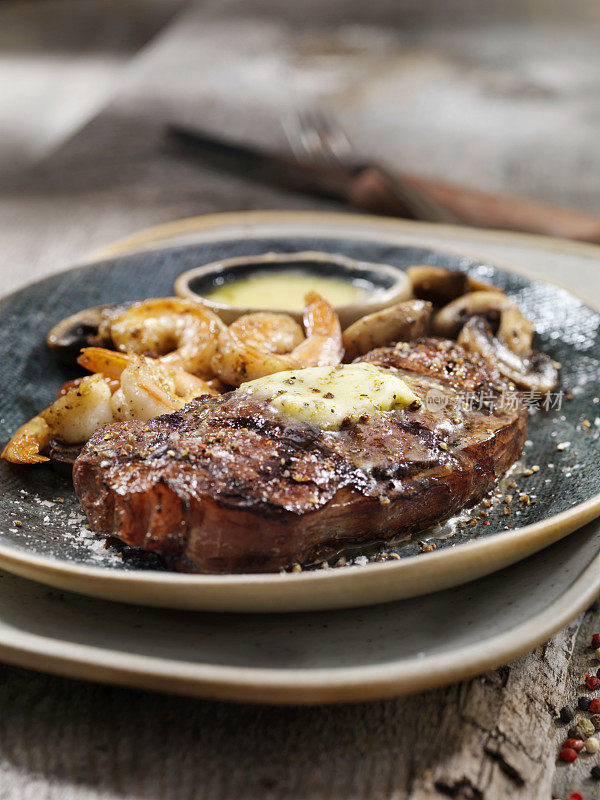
(332, 135)
(339, 140)
(319, 135)
(312, 125)
(302, 135)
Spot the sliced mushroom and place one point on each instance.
(516, 331)
(399, 323)
(503, 315)
(87, 328)
(440, 285)
(535, 372)
(489, 305)
(62, 456)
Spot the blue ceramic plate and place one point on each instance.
(52, 543)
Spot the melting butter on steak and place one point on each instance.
(330, 397)
(232, 484)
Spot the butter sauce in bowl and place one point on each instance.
(286, 290)
(280, 281)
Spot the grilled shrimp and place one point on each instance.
(179, 333)
(148, 388)
(268, 331)
(248, 348)
(73, 418)
(125, 386)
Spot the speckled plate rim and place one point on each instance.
(373, 583)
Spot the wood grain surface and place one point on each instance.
(491, 737)
(60, 62)
(492, 105)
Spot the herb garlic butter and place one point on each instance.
(329, 396)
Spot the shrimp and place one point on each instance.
(73, 418)
(148, 388)
(251, 348)
(124, 386)
(179, 333)
(271, 332)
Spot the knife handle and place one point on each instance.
(377, 191)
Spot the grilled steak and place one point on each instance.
(228, 484)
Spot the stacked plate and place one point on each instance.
(340, 634)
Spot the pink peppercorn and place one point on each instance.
(595, 644)
(595, 705)
(568, 754)
(575, 796)
(592, 682)
(576, 744)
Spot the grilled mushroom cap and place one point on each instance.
(516, 331)
(440, 285)
(535, 372)
(87, 328)
(400, 323)
(502, 314)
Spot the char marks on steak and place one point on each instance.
(228, 484)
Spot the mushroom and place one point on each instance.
(489, 305)
(62, 456)
(440, 285)
(87, 328)
(534, 372)
(516, 331)
(399, 323)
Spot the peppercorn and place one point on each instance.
(598, 673)
(595, 720)
(575, 796)
(566, 714)
(592, 745)
(595, 705)
(587, 727)
(595, 643)
(583, 703)
(592, 682)
(576, 733)
(595, 772)
(576, 744)
(568, 754)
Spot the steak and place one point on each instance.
(229, 484)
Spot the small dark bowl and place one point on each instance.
(391, 284)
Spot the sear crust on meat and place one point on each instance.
(228, 484)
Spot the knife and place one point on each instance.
(374, 189)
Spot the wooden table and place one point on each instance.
(419, 94)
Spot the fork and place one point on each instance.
(318, 136)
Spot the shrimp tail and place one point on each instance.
(26, 444)
(322, 325)
(108, 362)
